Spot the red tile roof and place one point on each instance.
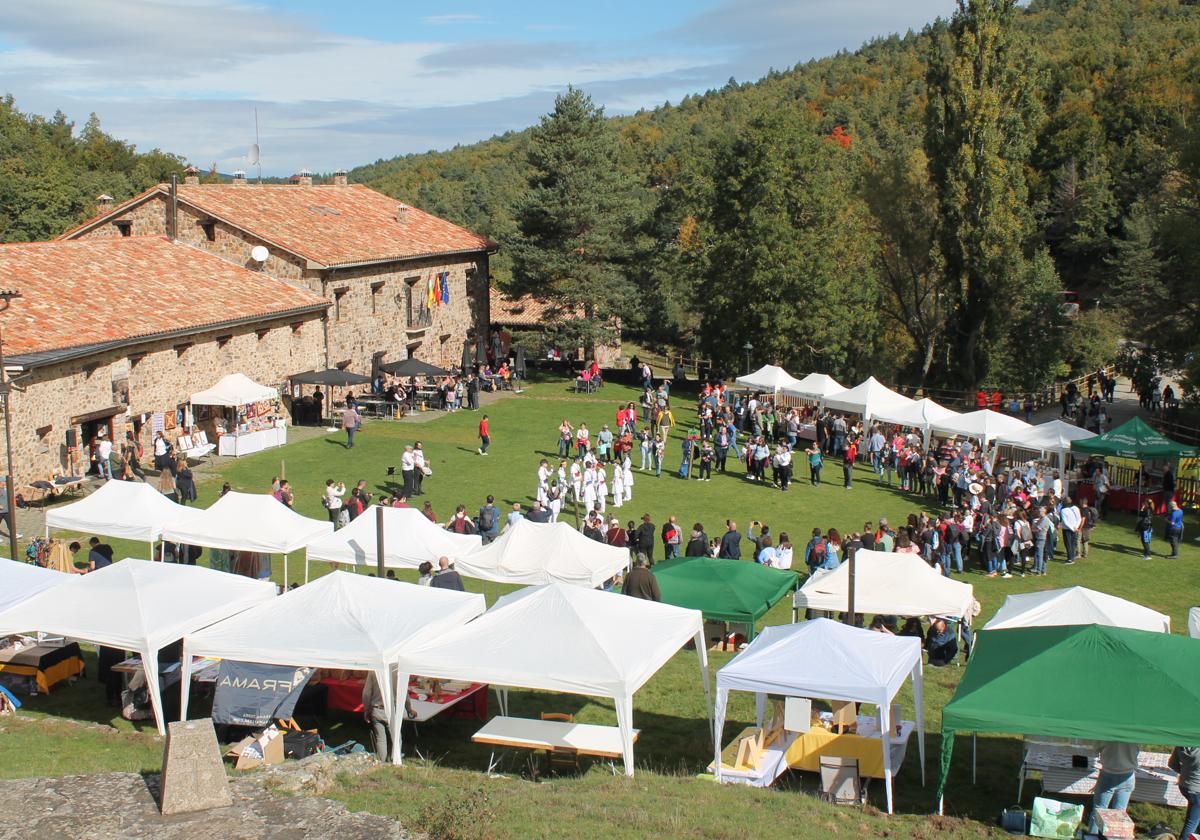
(525, 311)
(91, 291)
(331, 225)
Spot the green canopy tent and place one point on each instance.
(1134, 439)
(1083, 681)
(724, 590)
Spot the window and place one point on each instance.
(417, 304)
(376, 291)
(210, 230)
(338, 294)
(125, 227)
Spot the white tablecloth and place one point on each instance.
(249, 442)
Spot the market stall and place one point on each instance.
(1051, 438)
(20, 581)
(251, 522)
(340, 621)
(409, 539)
(1073, 606)
(304, 409)
(534, 553)
(827, 660)
(136, 605)
(984, 425)
(815, 387)
(127, 510)
(921, 414)
(562, 638)
(1153, 698)
(769, 378)
(867, 399)
(247, 416)
(1138, 441)
(723, 590)
(887, 583)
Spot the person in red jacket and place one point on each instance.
(484, 438)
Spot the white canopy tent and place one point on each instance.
(1054, 436)
(129, 510)
(1075, 605)
(341, 620)
(815, 386)
(889, 583)
(534, 553)
(409, 539)
(234, 390)
(564, 638)
(921, 414)
(1194, 622)
(248, 522)
(867, 398)
(983, 424)
(137, 605)
(827, 660)
(768, 378)
(21, 581)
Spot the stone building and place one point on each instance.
(115, 334)
(376, 260)
(523, 321)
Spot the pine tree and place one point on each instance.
(576, 224)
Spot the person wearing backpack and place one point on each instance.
(814, 552)
(489, 520)
(671, 538)
(460, 523)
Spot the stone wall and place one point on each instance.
(147, 219)
(160, 377)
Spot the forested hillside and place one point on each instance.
(852, 267)
(50, 174)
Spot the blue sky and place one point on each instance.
(339, 84)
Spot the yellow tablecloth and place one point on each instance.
(805, 752)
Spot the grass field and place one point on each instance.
(450, 788)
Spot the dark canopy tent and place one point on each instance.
(1083, 681)
(724, 590)
(332, 377)
(1135, 439)
(412, 367)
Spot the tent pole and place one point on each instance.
(850, 606)
(379, 538)
(185, 686)
(152, 551)
(285, 571)
(974, 754)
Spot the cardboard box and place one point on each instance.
(1114, 825)
(251, 751)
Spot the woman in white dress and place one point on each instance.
(543, 486)
(589, 489)
(618, 485)
(601, 488)
(562, 477)
(577, 479)
(627, 469)
(556, 502)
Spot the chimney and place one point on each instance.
(191, 176)
(402, 214)
(339, 178)
(239, 178)
(303, 178)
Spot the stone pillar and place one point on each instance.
(191, 176)
(193, 777)
(340, 179)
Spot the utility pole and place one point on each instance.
(6, 298)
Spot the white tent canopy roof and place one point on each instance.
(409, 539)
(984, 423)
(1053, 436)
(1076, 605)
(867, 398)
(131, 510)
(21, 581)
(565, 638)
(920, 414)
(768, 378)
(889, 583)
(814, 386)
(534, 553)
(247, 522)
(234, 390)
(137, 605)
(825, 659)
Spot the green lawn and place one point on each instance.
(670, 708)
